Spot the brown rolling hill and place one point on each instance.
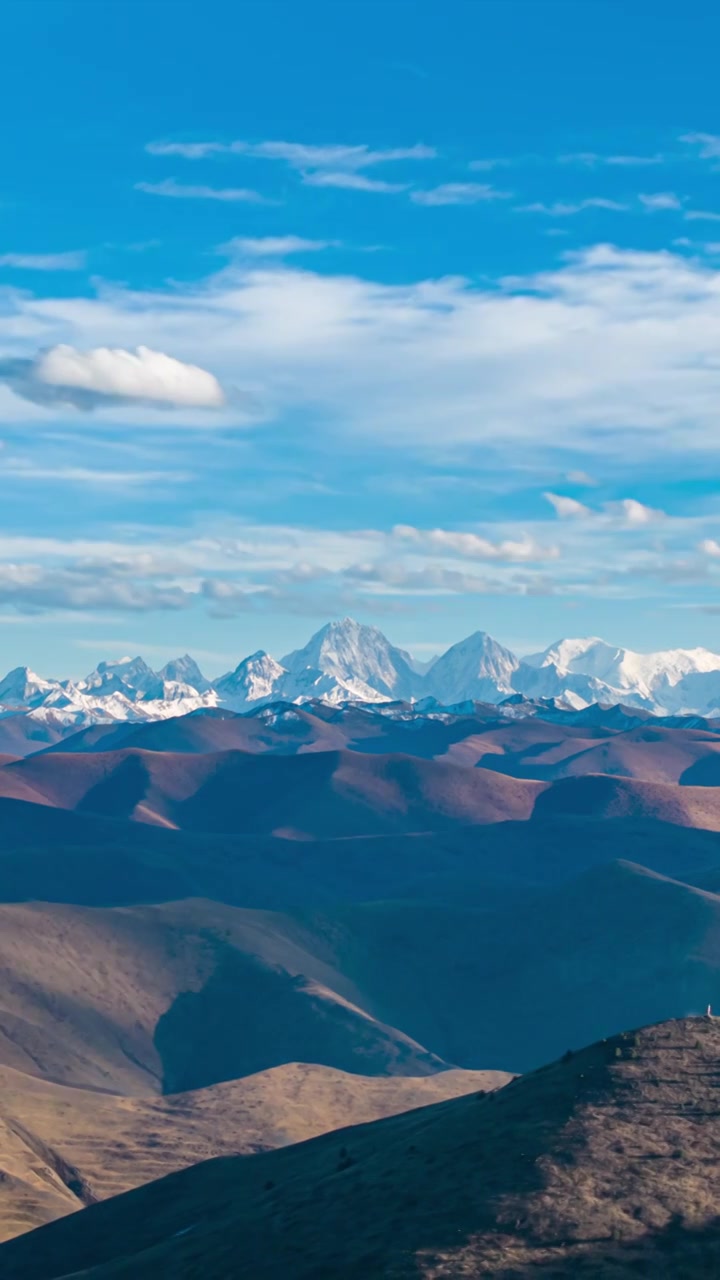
(63, 1148)
(288, 729)
(326, 794)
(603, 1164)
(651, 753)
(333, 794)
(59, 855)
(599, 796)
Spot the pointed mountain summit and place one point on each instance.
(477, 668)
(185, 670)
(256, 679)
(356, 655)
(22, 687)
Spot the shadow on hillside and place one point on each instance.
(249, 1017)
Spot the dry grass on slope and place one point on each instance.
(64, 1148)
(603, 1163)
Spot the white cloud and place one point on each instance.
(73, 260)
(591, 159)
(188, 150)
(564, 209)
(389, 577)
(711, 547)
(485, 166)
(701, 215)
(471, 546)
(707, 144)
(20, 469)
(298, 155)
(568, 508)
(32, 588)
(138, 375)
(459, 193)
(627, 510)
(352, 182)
(179, 191)
(634, 512)
(660, 200)
(581, 478)
(273, 246)
(610, 351)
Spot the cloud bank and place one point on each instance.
(612, 349)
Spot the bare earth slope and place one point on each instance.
(603, 1164)
(63, 1148)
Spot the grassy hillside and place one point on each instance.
(604, 1163)
(64, 1148)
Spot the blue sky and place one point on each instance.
(406, 311)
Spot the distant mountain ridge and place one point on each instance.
(349, 662)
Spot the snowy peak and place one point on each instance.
(185, 671)
(477, 668)
(130, 676)
(254, 680)
(586, 655)
(347, 661)
(354, 655)
(650, 677)
(22, 687)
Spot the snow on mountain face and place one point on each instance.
(129, 676)
(667, 678)
(477, 668)
(22, 687)
(348, 662)
(255, 679)
(356, 655)
(185, 671)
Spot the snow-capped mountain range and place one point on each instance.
(348, 662)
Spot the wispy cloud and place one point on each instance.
(593, 160)
(610, 350)
(486, 166)
(298, 155)
(701, 215)
(706, 144)
(181, 191)
(20, 469)
(562, 209)
(459, 193)
(73, 260)
(659, 201)
(273, 246)
(352, 182)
